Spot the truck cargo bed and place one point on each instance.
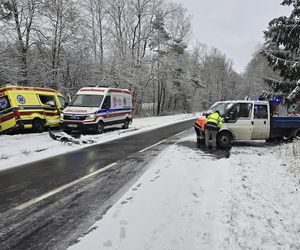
(285, 122)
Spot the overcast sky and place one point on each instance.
(233, 26)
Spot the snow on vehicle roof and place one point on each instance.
(23, 88)
(244, 101)
(104, 90)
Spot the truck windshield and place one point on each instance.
(222, 107)
(87, 100)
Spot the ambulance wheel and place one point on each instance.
(100, 128)
(224, 140)
(126, 124)
(38, 125)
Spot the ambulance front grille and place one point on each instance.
(74, 117)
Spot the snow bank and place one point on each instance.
(190, 200)
(25, 148)
(264, 203)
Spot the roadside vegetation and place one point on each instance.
(143, 45)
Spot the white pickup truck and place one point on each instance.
(252, 120)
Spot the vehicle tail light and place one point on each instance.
(17, 114)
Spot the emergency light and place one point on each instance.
(277, 100)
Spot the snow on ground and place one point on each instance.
(24, 148)
(190, 200)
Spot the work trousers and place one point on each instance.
(210, 133)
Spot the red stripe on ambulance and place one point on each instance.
(119, 91)
(7, 117)
(89, 90)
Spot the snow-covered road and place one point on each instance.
(20, 149)
(190, 200)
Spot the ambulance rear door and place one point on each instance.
(7, 116)
(118, 113)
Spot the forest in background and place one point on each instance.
(142, 45)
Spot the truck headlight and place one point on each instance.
(90, 117)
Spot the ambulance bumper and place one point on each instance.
(18, 126)
(82, 127)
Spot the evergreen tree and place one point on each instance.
(282, 50)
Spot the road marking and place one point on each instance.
(57, 190)
(154, 145)
(180, 133)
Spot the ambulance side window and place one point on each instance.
(62, 101)
(106, 103)
(47, 100)
(4, 103)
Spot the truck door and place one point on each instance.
(261, 122)
(240, 121)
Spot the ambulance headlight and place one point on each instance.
(90, 117)
(61, 116)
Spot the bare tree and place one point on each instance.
(18, 17)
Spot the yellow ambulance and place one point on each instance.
(29, 108)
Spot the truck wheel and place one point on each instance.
(100, 128)
(224, 140)
(38, 125)
(126, 124)
(270, 140)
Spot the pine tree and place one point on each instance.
(282, 50)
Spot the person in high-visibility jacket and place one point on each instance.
(213, 123)
(199, 127)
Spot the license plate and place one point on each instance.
(72, 125)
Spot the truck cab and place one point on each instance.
(245, 120)
(252, 120)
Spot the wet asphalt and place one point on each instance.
(56, 222)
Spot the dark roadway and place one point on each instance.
(57, 221)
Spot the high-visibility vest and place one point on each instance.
(214, 119)
(200, 123)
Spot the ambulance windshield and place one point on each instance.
(87, 101)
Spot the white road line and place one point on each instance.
(57, 190)
(180, 133)
(154, 145)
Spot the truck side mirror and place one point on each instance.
(229, 116)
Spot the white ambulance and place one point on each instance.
(93, 109)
